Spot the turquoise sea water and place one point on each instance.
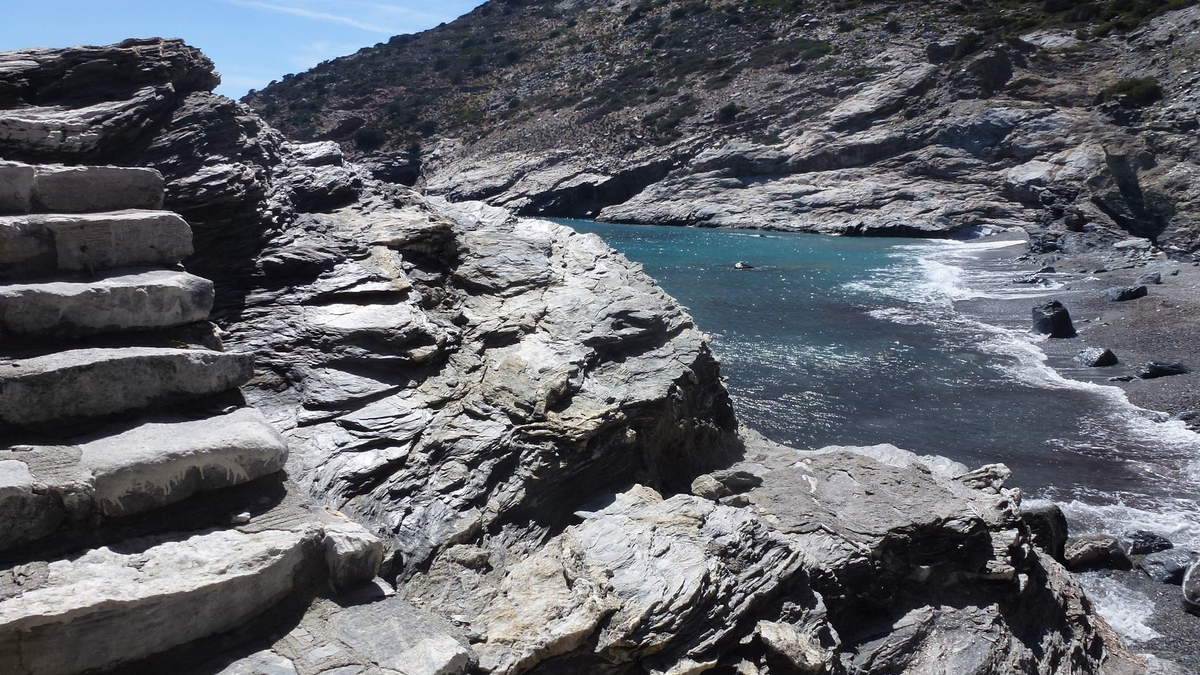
(857, 341)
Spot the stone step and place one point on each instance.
(40, 245)
(136, 470)
(77, 189)
(114, 605)
(83, 383)
(124, 300)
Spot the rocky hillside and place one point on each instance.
(536, 433)
(1075, 120)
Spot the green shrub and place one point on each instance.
(1140, 91)
(728, 113)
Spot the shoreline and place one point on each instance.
(1160, 326)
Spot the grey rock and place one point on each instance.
(114, 302)
(1099, 551)
(1053, 319)
(1097, 357)
(1048, 528)
(102, 381)
(1125, 293)
(165, 461)
(1141, 542)
(218, 580)
(1155, 369)
(92, 189)
(16, 187)
(1167, 566)
(45, 244)
(1149, 279)
(1191, 588)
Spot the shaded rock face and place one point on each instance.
(1053, 320)
(520, 414)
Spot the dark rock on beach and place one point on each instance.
(1097, 357)
(1167, 566)
(1053, 319)
(1191, 588)
(1141, 542)
(1126, 293)
(1155, 369)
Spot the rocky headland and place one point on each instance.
(463, 441)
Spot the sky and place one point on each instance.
(251, 41)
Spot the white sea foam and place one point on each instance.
(1125, 609)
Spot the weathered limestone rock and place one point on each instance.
(103, 381)
(124, 300)
(115, 606)
(157, 463)
(16, 187)
(94, 189)
(45, 244)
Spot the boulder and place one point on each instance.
(92, 189)
(1097, 357)
(1141, 542)
(1093, 552)
(1191, 588)
(103, 381)
(1053, 319)
(1121, 294)
(1149, 279)
(1167, 566)
(1155, 369)
(1048, 527)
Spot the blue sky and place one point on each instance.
(251, 41)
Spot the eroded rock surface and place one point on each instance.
(520, 415)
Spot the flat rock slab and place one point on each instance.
(136, 470)
(89, 189)
(95, 382)
(16, 187)
(77, 189)
(115, 302)
(108, 607)
(159, 463)
(34, 245)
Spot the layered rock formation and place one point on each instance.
(537, 433)
(117, 407)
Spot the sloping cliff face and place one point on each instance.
(538, 434)
(1073, 120)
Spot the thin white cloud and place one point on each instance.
(316, 15)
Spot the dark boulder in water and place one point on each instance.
(1167, 567)
(1155, 369)
(1120, 294)
(1096, 552)
(1052, 318)
(1097, 357)
(1142, 542)
(1047, 527)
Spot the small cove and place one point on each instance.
(857, 341)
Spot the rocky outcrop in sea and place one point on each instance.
(538, 465)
